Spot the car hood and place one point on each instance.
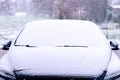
(75, 61)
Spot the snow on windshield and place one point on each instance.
(55, 33)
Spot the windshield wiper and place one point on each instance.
(70, 46)
(25, 45)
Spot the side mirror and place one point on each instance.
(114, 45)
(7, 45)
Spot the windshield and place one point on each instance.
(60, 33)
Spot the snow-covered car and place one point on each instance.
(65, 49)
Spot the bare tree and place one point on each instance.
(6, 7)
(71, 9)
(42, 7)
(99, 10)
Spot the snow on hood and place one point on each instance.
(80, 61)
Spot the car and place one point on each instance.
(59, 49)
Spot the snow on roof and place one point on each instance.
(115, 6)
(20, 14)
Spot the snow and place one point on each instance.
(20, 14)
(60, 60)
(114, 66)
(58, 32)
(6, 69)
(115, 6)
(46, 58)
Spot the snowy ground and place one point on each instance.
(6, 34)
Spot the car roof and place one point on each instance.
(61, 22)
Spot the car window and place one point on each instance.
(54, 34)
